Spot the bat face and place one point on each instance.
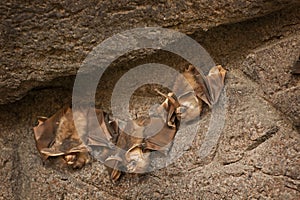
(58, 136)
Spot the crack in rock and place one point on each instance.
(270, 133)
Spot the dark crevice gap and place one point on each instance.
(270, 133)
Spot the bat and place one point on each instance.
(203, 89)
(125, 146)
(137, 141)
(206, 88)
(58, 136)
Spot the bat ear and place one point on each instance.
(67, 109)
(115, 175)
(221, 71)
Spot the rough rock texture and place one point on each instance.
(281, 87)
(43, 40)
(258, 153)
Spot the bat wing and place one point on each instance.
(207, 88)
(212, 85)
(102, 136)
(66, 138)
(53, 140)
(98, 132)
(45, 131)
(64, 149)
(163, 138)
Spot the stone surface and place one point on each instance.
(257, 155)
(274, 76)
(7, 171)
(44, 40)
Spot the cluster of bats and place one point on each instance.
(125, 147)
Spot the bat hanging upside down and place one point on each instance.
(125, 146)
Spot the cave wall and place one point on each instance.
(44, 43)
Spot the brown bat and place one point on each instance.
(127, 148)
(136, 140)
(205, 89)
(58, 136)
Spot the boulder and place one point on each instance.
(41, 41)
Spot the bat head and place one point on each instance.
(137, 160)
(190, 107)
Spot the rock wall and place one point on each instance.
(258, 154)
(44, 40)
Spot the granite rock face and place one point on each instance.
(273, 74)
(44, 40)
(258, 153)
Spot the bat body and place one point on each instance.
(64, 141)
(74, 134)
